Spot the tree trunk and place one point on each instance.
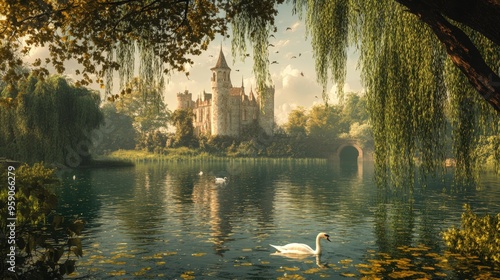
(480, 15)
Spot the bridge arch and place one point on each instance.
(348, 150)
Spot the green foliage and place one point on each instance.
(184, 132)
(297, 123)
(327, 23)
(40, 247)
(409, 82)
(244, 149)
(478, 236)
(489, 152)
(361, 132)
(253, 21)
(312, 133)
(144, 104)
(104, 36)
(154, 141)
(217, 145)
(116, 133)
(51, 120)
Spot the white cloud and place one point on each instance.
(281, 43)
(295, 26)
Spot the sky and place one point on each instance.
(293, 52)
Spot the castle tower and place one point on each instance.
(184, 100)
(221, 85)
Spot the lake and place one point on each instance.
(165, 220)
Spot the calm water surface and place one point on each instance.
(166, 221)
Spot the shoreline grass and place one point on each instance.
(184, 154)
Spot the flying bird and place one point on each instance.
(302, 74)
(274, 62)
(272, 35)
(294, 56)
(271, 45)
(288, 28)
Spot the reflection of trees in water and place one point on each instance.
(137, 199)
(246, 197)
(325, 187)
(414, 216)
(77, 197)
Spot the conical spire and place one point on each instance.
(221, 62)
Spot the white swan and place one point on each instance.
(220, 180)
(201, 173)
(299, 248)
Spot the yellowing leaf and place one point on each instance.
(198, 254)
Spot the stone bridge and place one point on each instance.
(350, 150)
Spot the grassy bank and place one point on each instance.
(184, 154)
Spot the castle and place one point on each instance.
(228, 110)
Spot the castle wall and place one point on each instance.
(233, 111)
(227, 110)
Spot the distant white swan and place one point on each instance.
(201, 173)
(300, 248)
(220, 180)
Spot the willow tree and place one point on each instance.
(48, 121)
(418, 67)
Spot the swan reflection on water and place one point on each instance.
(219, 180)
(302, 257)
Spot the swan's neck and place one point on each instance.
(318, 246)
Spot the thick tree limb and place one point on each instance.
(461, 50)
(480, 15)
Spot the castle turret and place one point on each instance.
(221, 84)
(184, 100)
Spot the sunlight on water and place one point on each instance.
(167, 221)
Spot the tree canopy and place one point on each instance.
(419, 59)
(104, 36)
(144, 104)
(49, 121)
